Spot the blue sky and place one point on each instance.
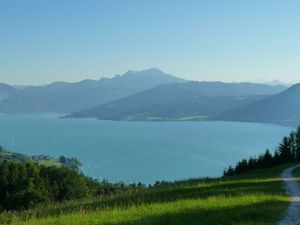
(233, 40)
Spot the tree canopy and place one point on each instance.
(288, 151)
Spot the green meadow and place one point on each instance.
(254, 198)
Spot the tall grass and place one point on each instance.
(254, 198)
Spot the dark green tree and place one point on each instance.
(268, 159)
(297, 144)
(285, 151)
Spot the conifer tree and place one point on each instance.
(267, 159)
(276, 158)
(293, 145)
(285, 151)
(297, 144)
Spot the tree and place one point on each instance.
(297, 144)
(229, 171)
(25, 185)
(242, 166)
(62, 159)
(267, 159)
(293, 145)
(276, 157)
(28, 196)
(288, 151)
(285, 151)
(252, 163)
(68, 184)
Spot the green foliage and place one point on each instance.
(255, 198)
(288, 151)
(71, 163)
(26, 185)
(17, 157)
(64, 184)
(297, 143)
(23, 186)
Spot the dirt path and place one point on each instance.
(293, 214)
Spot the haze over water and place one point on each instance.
(140, 151)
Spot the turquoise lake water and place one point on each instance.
(140, 151)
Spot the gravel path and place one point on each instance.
(293, 214)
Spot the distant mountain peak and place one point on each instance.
(152, 75)
(276, 82)
(150, 71)
(59, 96)
(273, 82)
(153, 69)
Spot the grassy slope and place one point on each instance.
(256, 198)
(50, 162)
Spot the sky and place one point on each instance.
(42, 41)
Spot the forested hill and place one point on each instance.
(282, 108)
(181, 101)
(70, 163)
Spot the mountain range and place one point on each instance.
(63, 97)
(152, 95)
(181, 101)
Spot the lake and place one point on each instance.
(140, 151)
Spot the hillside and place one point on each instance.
(60, 96)
(253, 193)
(282, 108)
(71, 163)
(7, 92)
(181, 101)
(17, 157)
(253, 198)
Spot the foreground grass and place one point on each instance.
(256, 198)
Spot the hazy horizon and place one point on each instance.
(258, 80)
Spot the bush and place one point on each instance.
(25, 185)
